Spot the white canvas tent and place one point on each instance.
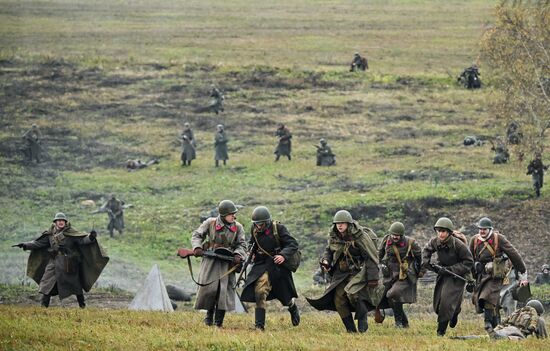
(152, 296)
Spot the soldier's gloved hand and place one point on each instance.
(436, 268)
(324, 265)
(93, 235)
(237, 259)
(20, 245)
(372, 283)
(197, 252)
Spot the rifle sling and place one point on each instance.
(231, 270)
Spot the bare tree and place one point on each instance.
(517, 49)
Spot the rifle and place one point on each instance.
(246, 264)
(184, 253)
(443, 269)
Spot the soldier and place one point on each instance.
(454, 262)
(501, 152)
(351, 259)
(544, 277)
(187, 151)
(220, 145)
(513, 133)
(115, 209)
(64, 261)
(490, 250)
(134, 165)
(320, 277)
(358, 62)
(285, 145)
(536, 169)
(269, 277)
(217, 99)
(401, 257)
(325, 157)
(470, 77)
(33, 138)
(187, 131)
(216, 292)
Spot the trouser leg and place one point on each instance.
(259, 315)
(217, 163)
(294, 314)
(341, 301)
(219, 315)
(80, 299)
(398, 314)
(45, 300)
(349, 324)
(442, 328)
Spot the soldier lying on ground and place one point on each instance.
(133, 165)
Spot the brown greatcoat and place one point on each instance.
(214, 233)
(454, 255)
(409, 250)
(487, 287)
(66, 262)
(362, 245)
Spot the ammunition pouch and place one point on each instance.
(403, 270)
(499, 267)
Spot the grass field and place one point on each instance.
(107, 81)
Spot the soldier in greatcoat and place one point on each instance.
(64, 261)
(188, 132)
(285, 144)
(33, 138)
(187, 151)
(270, 277)
(220, 145)
(216, 293)
(115, 210)
(536, 169)
(402, 257)
(491, 250)
(351, 258)
(453, 256)
(217, 99)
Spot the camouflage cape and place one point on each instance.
(357, 288)
(94, 259)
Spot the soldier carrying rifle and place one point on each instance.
(115, 210)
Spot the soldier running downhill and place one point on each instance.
(454, 262)
(490, 250)
(269, 277)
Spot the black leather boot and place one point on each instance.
(294, 314)
(209, 319)
(219, 315)
(362, 324)
(80, 299)
(349, 324)
(454, 321)
(260, 318)
(442, 328)
(398, 314)
(488, 319)
(45, 301)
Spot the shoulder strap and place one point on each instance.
(276, 233)
(396, 252)
(258, 244)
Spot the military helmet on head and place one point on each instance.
(444, 223)
(60, 216)
(260, 215)
(322, 141)
(34, 126)
(342, 216)
(186, 124)
(537, 305)
(220, 126)
(227, 207)
(485, 223)
(397, 228)
(545, 266)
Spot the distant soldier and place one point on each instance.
(320, 277)
(187, 151)
(472, 140)
(490, 250)
(269, 277)
(359, 63)
(401, 257)
(134, 165)
(325, 157)
(115, 210)
(454, 262)
(513, 133)
(536, 169)
(188, 132)
(285, 145)
(351, 258)
(544, 276)
(220, 145)
(217, 99)
(501, 152)
(470, 78)
(33, 137)
(216, 292)
(64, 261)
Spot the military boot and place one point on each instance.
(209, 319)
(488, 319)
(45, 301)
(349, 324)
(398, 314)
(80, 299)
(454, 321)
(404, 320)
(218, 318)
(442, 328)
(362, 324)
(260, 318)
(294, 314)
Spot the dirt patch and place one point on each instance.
(436, 175)
(400, 151)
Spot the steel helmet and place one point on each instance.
(227, 207)
(342, 216)
(261, 214)
(444, 223)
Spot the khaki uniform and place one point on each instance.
(522, 323)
